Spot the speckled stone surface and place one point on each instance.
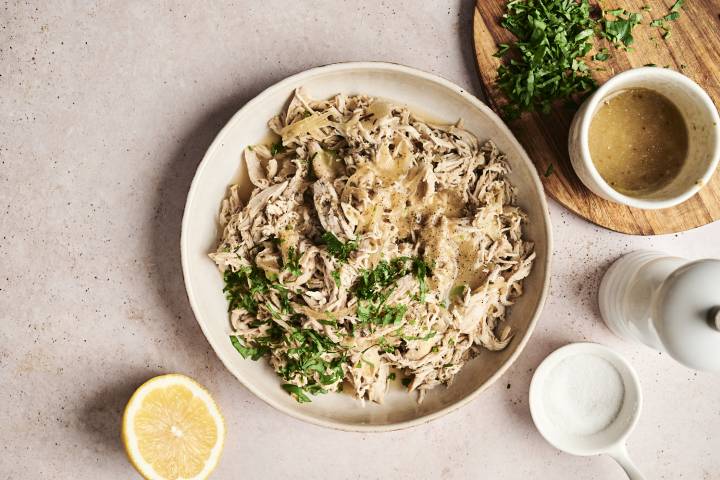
(106, 109)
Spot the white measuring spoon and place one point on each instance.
(607, 439)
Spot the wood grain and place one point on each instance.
(693, 48)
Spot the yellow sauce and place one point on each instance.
(638, 141)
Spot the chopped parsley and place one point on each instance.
(374, 286)
(243, 285)
(421, 271)
(254, 353)
(337, 248)
(619, 30)
(550, 170)
(380, 314)
(370, 283)
(276, 148)
(311, 360)
(424, 338)
(602, 55)
(293, 262)
(546, 62)
(296, 392)
(335, 274)
(672, 15)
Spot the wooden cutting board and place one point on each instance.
(692, 48)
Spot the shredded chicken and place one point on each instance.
(375, 246)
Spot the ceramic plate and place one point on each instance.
(222, 165)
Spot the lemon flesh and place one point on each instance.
(172, 429)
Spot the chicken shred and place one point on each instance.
(375, 246)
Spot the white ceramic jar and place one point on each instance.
(668, 303)
(702, 121)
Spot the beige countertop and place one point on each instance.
(107, 108)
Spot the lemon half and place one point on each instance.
(172, 429)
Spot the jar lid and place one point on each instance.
(687, 315)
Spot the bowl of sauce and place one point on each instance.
(648, 138)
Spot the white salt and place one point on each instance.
(583, 394)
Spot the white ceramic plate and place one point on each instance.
(222, 165)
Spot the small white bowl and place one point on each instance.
(701, 118)
(609, 440)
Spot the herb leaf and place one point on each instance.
(619, 31)
(543, 64)
(297, 392)
(337, 248)
(242, 285)
(335, 274)
(293, 262)
(276, 148)
(253, 352)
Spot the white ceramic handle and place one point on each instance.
(715, 317)
(620, 455)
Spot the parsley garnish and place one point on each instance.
(380, 314)
(293, 262)
(602, 55)
(253, 352)
(420, 270)
(276, 148)
(335, 274)
(297, 392)
(619, 31)
(373, 287)
(426, 337)
(337, 248)
(311, 359)
(371, 282)
(307, 362)
(545, 62)
(550, 170)
(674, 14)
(242, 285)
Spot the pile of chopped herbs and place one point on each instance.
(548, 60)
(312, 362)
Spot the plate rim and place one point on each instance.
(476, 103)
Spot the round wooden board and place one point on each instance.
(693, 48)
